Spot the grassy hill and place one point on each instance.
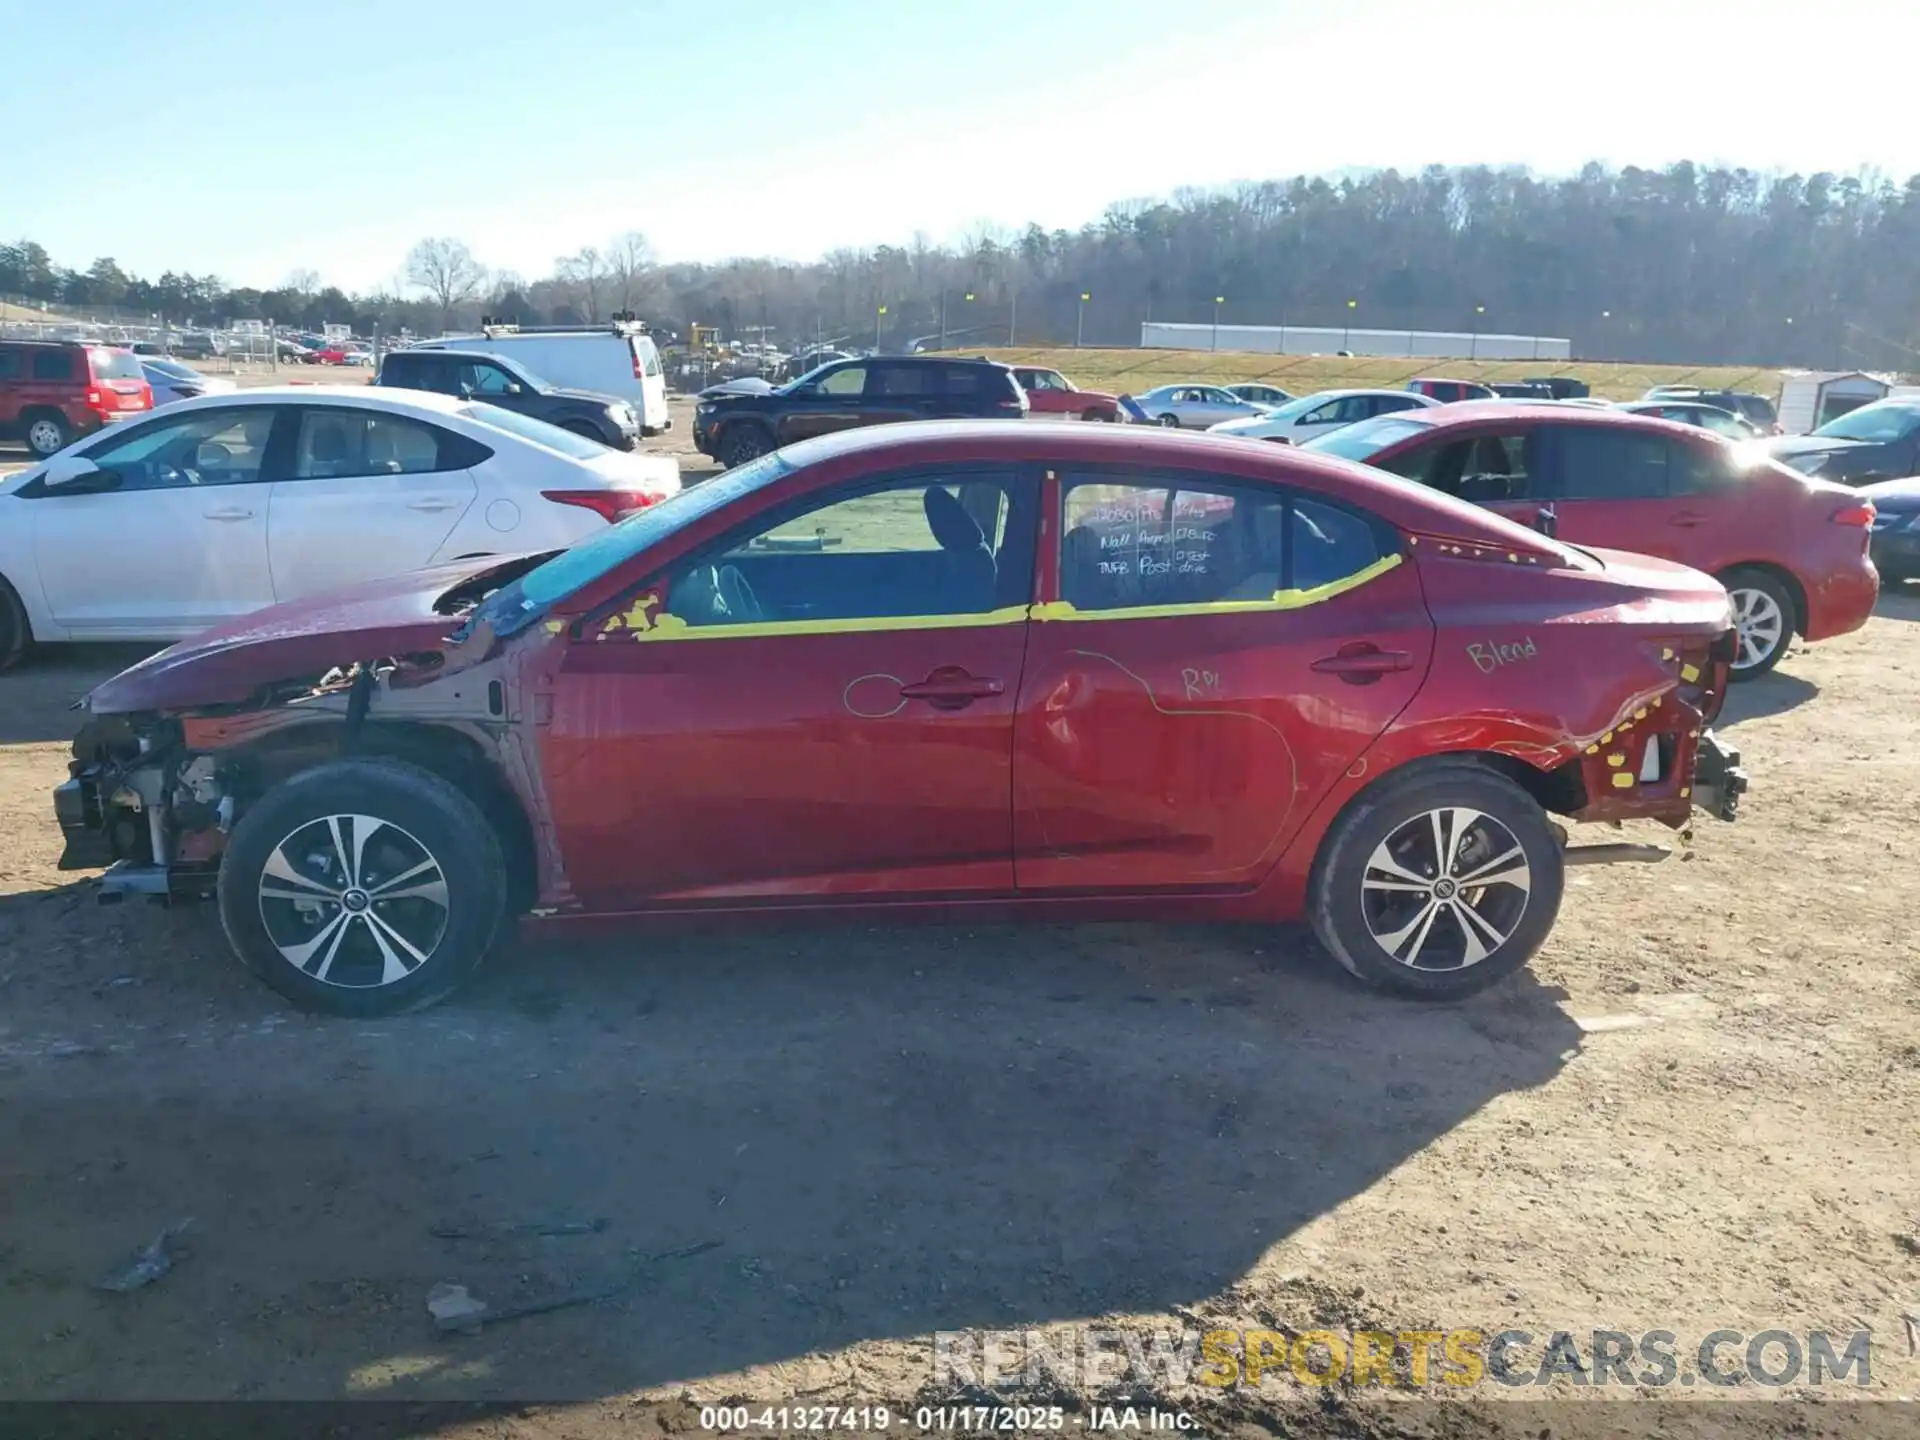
(1133, 371)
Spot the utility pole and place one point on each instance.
(1013, 307)
(1346, 335)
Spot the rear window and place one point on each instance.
(115, 365)
(648, 355)
(52, 365)
(10, 367)
(994, 383)
(538, 432)
(1366, 439)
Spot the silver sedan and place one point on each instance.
(1195, 407)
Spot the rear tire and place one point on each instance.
(740, 443)
(302, 882)
(1169, 421)
(1390, 898)
(1763, 617)
(16, 634)
(1098, 416)
(48, 433)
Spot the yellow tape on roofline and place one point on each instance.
(1282, 600)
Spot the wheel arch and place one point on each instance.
(1796, 592)
(442, 750)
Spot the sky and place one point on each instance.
(250, 139)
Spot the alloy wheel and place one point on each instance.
(353, 901)
(1760, 625)
(1445, 889)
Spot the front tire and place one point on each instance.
(1099, 417)
(16, 634)
(363, 887)
(740, 443)
(1169, 421)
(1438, 882)
(48, 434)
(1763, 612)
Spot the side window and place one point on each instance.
(1052, 380)
(961, 379)
(910, 381)
(922, 546)
(492, 380)
(1611, 464)
(1483, 469)
(1321, 415)
(1692, 469)
(9, 364)
(1387, 404)
(1175, 543)
(337, 444)
(209, 447)
(850, 380)
(649, 355)
(53, 364)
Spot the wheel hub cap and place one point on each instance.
(354, 901)
(1759, 625)
(1446, 889)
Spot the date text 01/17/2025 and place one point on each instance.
(940, 1419)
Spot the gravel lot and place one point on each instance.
(1698, 1112)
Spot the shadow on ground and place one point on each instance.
(878, 1132)
(1770, 694)
(38, 695)
(1898, 601)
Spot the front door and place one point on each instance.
(1217, 655)
(179, 543)
(829, 403)
(818, 708)
(364, 495)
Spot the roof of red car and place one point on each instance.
(1551, 412)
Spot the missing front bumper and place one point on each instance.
(1718, 781)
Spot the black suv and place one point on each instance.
(873, 391)
(510, 385)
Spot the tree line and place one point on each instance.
(1683, 264)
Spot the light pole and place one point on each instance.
(1080, 317)
(876, 328)
(1013, 310)
(943, 317)
(1474, 352)
(1218, 301)
(1346, 335)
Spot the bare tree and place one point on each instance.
(629, 264)
(447, 271)
(586, 272)
(304, 282)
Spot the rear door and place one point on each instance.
(362, 494)
(1213, 656)
(1499, 467)
(1630, 489)
(652, 381)
(179, 544)
(898, 390)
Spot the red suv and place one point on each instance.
(1792, 551)
(54, 391)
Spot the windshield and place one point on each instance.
(576, 447)
(1366, 439)
(518, 605)
(806, 379)
(1872, 422)
(1294, 409)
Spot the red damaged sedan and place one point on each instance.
(964, 671)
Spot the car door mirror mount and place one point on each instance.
(1547, 522)
(77, 475)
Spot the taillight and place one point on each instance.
(639, 370)
(609, 505)
(95, 399)
(1861, 514)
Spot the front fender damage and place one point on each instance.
(154, 795)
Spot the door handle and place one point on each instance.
(1362, 664)
(430, 504)
(951, 688)
(231, 512)
(1688, 518)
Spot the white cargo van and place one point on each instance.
(618, 358)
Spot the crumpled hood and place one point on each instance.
(228, 663)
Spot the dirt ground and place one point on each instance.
(802, 1153)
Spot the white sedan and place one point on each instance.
(1299, 421)
(217, 506)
